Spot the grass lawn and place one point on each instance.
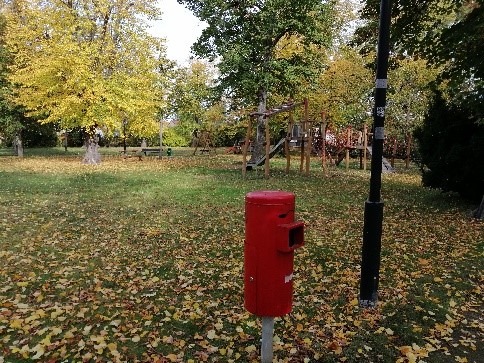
(142, 261)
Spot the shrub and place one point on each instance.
(36, 134)
(451, 145)
(172, 138)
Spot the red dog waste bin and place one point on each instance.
(271, 236)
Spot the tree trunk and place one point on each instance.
(92, 156)
(259, 142)
(17, 146)
(65, 141)
(479, 212)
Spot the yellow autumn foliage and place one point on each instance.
(86, 63)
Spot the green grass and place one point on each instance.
(139, 260)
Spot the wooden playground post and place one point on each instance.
(308, 126)
(348, 145)
(246, 147)
(323, 144)
(365, 145)
(394, 152)
(286, 143)
(301, 164)
(309, 147)
(409, 145)
(268, 147)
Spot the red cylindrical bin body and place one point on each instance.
(271, 236)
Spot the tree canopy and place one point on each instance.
(192, 100)
(452, 150)
(409, 95)
(246, 38)
(10, 124)
(243, 36)
(344, 89)
(447, 33)
(192, 93)
(86, 63)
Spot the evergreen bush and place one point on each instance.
(451, 145)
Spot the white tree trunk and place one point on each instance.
(92, 156)
(18, 147)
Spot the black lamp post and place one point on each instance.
(372, 230)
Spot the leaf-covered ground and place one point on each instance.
(143, 262)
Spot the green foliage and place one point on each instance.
(191, 93)
(422, 20)
(244, 38)
(460, 51)
(10, 121)
(229, 133)
(75, 137)
(409, 95)
(35, 134)
(344, 90)
(452, 149)
(172, 138)
(10, 115)
(195, 105)
(185, 130)
(447, 33)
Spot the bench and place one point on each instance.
(151, 151)
(131, 153)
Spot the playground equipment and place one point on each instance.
(236, 149)
(318, 140)
(339, 146)
(354, 140)
(399, 150)
(299, 134)
(202, 140)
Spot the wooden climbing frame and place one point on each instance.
(204, 141)
(306, 137)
